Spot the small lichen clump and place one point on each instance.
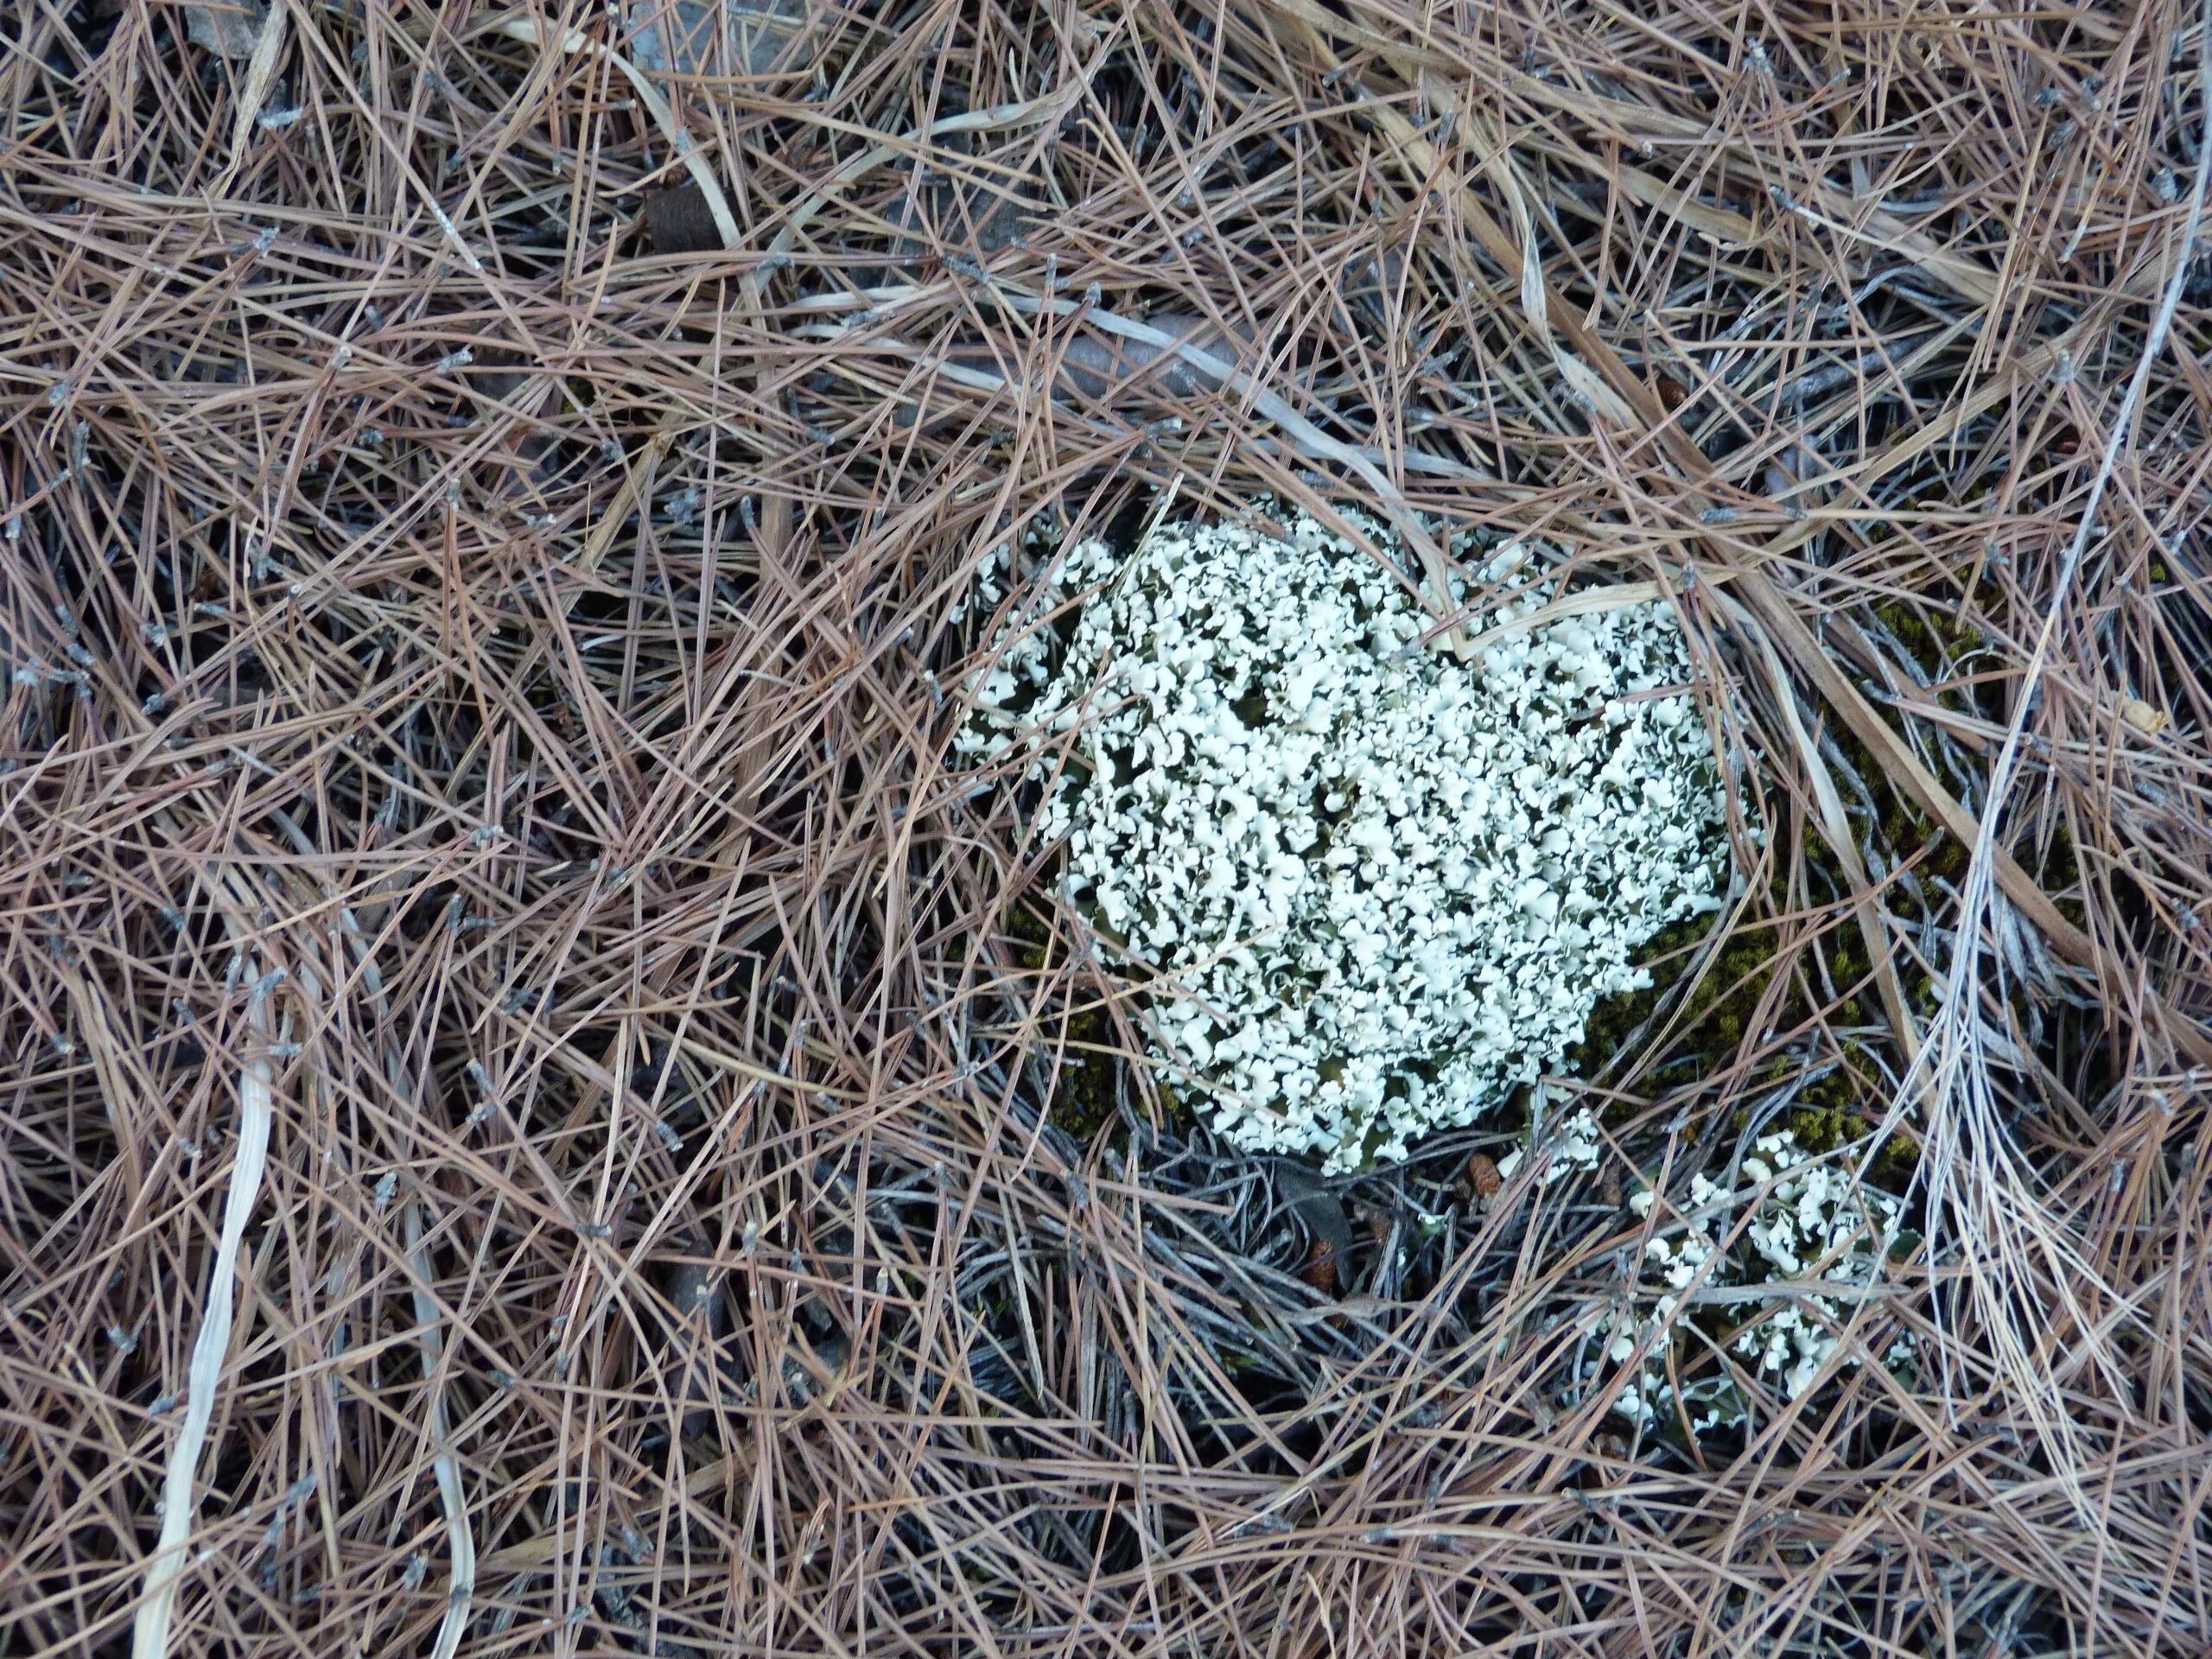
(1381, 886)
(1811, 1225)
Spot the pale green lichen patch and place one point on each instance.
(1380, 887)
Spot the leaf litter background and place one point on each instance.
(479, 652)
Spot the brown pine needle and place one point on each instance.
(699, 1188)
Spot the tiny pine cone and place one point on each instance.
(1321, 1267)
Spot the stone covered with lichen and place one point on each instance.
(1381, 886)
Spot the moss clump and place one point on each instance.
(1845, 1103)
(1830, 1113)
(1084, 1095)
(1824, 1127)
(1722, 1007)
(1932, 637)
(1032, 937)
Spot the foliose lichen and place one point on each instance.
(1380, 887)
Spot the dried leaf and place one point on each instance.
(229, 28)
(2146, 718)
(680, 219)
(1321, 1267)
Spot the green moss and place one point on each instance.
(1823, 1127)
(1029, 930)
(1085, 1102)
(1845, 1103)
(1720, 1011)
(1931, 637)
(1086, 1093)
(1828, 1115)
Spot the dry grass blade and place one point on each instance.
(180, 1504)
